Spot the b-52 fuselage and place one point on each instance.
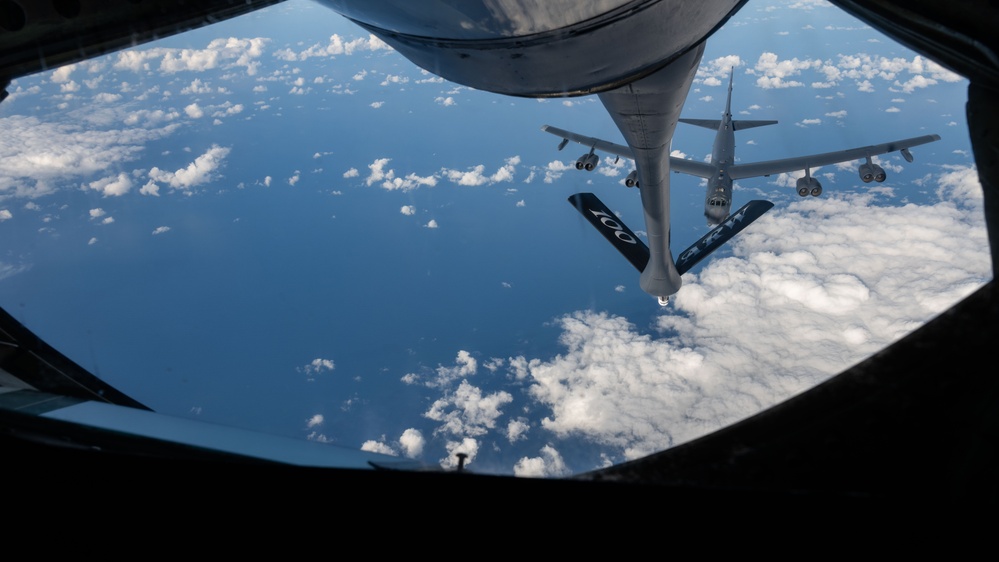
(720, 172)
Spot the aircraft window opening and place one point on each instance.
(220, 233)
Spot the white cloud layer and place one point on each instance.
(899, 74)
(220, 53)
(810, 289)
(336, 46)
(40, 156)
(827, 282)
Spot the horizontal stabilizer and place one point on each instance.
(737, 125)
(712, 124)
(720, 234)
(743, 124)
(612, 228)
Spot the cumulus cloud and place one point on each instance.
(776, 73)
(40, 156)
(193, 111)
(378, 172)
(196, 87)
(467, 446)
(394, 79)
(336, 46)
(412, 443)
(408, 210)
(387, 179)
(548, 465)
(226, 109)
(107, 97)
(229, 52)
(150, 188)
(319, 365)
(113, 185)
(476, 175)
(150, 116)
(372, 446)
(553, 170)
(517, 429)
(161, 230)
(431, 224)
(863, 69)
(203, 170)
(715, 72)
(411, 181)
(62, 73)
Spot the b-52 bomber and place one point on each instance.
(719, 173)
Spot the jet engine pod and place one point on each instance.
(632, 179)
(866, 172)
(879, 173)
(587, 162)
(809, 185)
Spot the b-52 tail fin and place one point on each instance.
(637, 253)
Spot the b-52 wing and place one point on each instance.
(757, 169)
(593, 143)
(682, 165)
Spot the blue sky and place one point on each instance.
(278, 223)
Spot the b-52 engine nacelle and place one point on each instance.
(809, 185)
(871, 172)
(587, 162)
(632, 179)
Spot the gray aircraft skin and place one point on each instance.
(652, 165)
(638, 56)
